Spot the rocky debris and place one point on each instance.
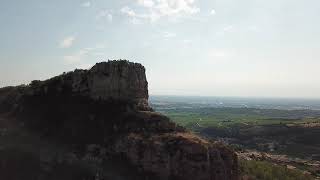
(179, 156)
(105, 110)
(312, 166)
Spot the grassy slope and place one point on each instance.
(267, 171)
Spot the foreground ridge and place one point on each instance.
(107, 105)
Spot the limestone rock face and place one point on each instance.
(118, 80)
(122, 79)
(113, 80)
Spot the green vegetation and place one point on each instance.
(268, 130)
(274, 131)
(230, 117)
(262, 170)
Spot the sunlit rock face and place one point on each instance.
(117, 80)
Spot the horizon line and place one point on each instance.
(247, 97)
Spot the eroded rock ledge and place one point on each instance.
(108, 105)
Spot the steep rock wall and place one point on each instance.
(118, 80)
(112, 80)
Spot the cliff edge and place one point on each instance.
(108, 106)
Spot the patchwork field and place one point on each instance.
(292, 134)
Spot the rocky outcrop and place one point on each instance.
(112, 80)
(108, 105)
(179, 156)
(118, 80)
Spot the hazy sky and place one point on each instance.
(190, 47)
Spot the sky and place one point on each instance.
(249, 48)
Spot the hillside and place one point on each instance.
(101, 126)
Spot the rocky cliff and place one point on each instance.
(108, 106)
(113, 80)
